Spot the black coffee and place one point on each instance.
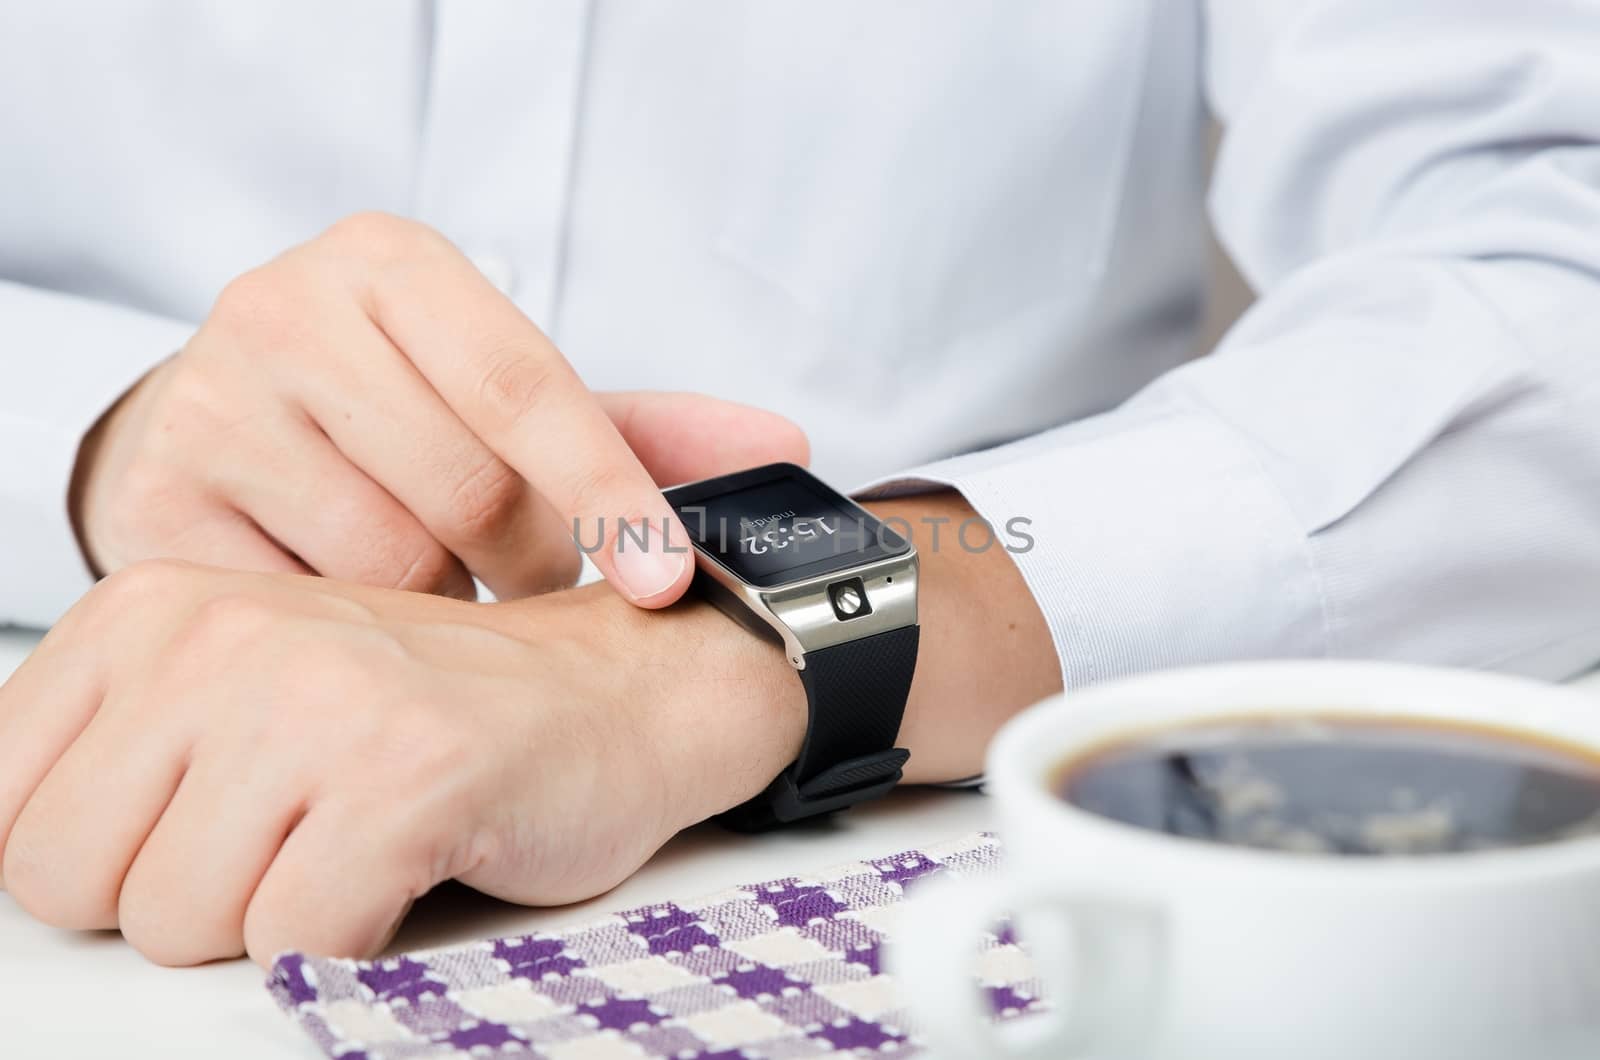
(1338, 784)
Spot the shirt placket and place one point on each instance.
(499, 139)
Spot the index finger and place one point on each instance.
(511, 386)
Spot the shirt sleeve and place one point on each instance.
(65, 361)
(1396, 453)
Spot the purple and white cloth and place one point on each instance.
(778, 970)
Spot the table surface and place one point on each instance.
(72, 994)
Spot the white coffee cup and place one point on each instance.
(1154, 947)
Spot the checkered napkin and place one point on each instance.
(790, 968)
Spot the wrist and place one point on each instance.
(85, 492)
(986, 651)
(709, 712)
(81, 491)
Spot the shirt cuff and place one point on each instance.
(68, 360)
(1157, 540)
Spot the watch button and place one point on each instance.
(849, 599)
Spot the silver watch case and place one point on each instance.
(801, 612)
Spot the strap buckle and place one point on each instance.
(841, 785)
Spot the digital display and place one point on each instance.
(779, 524)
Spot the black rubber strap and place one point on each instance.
(856, 692)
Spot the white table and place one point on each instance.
(66, 994)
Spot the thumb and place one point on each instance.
(680, 437)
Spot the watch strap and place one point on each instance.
(856, 697)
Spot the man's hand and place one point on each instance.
(369, 407)
(218, 762)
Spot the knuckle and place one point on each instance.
(265, 934)
(370, 541)
(257, 300)
(597, 490)
(482, 505)
(193, 396)
(145, 486)
(167, 932)
(25, 874)
(138, 585)
(513, 383)
(48, 890)
(366, 227)
(379, 236)
(425, 566)
(394, 552)
(144, 510)
(165, 949)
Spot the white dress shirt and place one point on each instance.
(919, 229)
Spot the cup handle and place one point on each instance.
(1104, 955)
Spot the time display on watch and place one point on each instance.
(779, 523)
(757, 539)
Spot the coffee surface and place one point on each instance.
(1341, 785)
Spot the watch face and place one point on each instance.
(778, 524)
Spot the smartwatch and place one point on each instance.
(799, 563)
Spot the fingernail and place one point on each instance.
(649, 568)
